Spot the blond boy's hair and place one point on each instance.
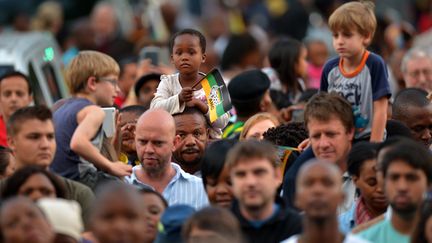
(89, 64)
(359, 15)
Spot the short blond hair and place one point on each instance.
(359, 15)
(254, 120)
(89, 64)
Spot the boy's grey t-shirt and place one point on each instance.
(368, 83)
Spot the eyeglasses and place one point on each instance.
(113, 81)
(417, 73)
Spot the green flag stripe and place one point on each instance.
(219, 108)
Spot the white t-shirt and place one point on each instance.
(348, 239)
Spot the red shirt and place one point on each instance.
(3, 133)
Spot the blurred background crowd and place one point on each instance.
(239, 32)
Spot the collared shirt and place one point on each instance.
(183, 188)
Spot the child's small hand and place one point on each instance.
(186, 95)
(203, 107)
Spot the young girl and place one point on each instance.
(175, 91)
(288, 58)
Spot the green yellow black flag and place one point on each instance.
(217, 95)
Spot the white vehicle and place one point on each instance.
(37, 55)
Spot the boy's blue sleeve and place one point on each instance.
(379, 77)
(324, 77)
(328, 67)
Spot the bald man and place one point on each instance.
(319, 193)
(155, 141)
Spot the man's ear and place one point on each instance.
(351, 134)
(278, 175)
(203, 58)
(176, 142)
(11, 143)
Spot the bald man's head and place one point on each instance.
(319, 189)
(158, 118)
(155, 140)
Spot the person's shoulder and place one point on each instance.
(73, 187)
(332, 63)
(170, 78)
(370, 226)
(90, 111)
(183, 174)
(74, 184)
(374, 59)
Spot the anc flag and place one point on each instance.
(217, 95)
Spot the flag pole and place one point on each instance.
(193, 86)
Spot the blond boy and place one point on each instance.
(92, 78)
(357, 74)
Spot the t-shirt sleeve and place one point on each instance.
(324, 77)
(379, 77)
(328, 67)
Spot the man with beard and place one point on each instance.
(319, 193)
(412, 107)
(191, 128)
(155, 142)
(407, 173)
(255, 177)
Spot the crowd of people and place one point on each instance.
(315, 149)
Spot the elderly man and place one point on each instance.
(156, 140)
(416, 68)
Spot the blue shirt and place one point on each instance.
(66, 162)
(346, 220)
(183, 188)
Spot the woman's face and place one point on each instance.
(219, 190)
(153, 208)
(301, 65)
(257, 130)
(37, 186)
(369, 188)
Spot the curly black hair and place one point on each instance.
(290, 134)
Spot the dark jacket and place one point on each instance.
(278, 228)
